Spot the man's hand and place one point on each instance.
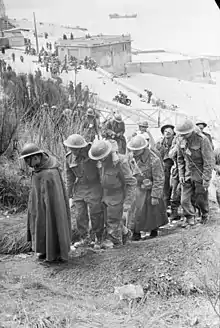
(70, 202)
(205, 184)
(154, 201)
(182, 181)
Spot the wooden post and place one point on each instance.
(36, 36)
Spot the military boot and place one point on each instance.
(84, 242)
(189, 221)
(98, 242)
(204, 218)
(136, 236)
(107, 244)
(174, 216)
(127, 235)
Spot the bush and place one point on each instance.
(24, 117)
(14, 185)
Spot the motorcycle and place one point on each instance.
(124, 100)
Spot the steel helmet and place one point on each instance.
(117, 118)
(143, 124)
(30, 149)
(137, 143)
(185, 127)
(75, 141)
(164, 127)
(90, 112)
(100, 149)
(202, 123)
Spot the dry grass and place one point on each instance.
(23, 118)
(13, 234)
(54, 303)
(14, 185)
(80, 293)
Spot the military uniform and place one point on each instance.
(175, 183)
(150, 183)
(118, 191)
(90, 129)
(118, 128)
(83, 185)
(195, 160)
(164, 146)
(209, 138)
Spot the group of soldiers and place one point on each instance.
(49, 60)
(186, 155)
(124, 188)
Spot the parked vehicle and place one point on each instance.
(122, 99)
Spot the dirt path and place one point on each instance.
(172, 269)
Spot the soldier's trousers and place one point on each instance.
(193, 190)
(167, 186)
(96, 215)
(175, 198)
(114, 222)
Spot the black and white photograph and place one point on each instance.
(109, 164)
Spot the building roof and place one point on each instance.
(94, 41)
(158, 57)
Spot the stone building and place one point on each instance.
(111, 52)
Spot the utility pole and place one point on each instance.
(36, 36)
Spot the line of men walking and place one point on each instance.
(123, 189)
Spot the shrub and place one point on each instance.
(14, 185)
(24, 118)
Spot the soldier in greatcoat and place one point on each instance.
(149, 212)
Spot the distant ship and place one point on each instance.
(80, 28)
(111, 16)
(84, 29)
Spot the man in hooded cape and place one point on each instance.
(49, 223)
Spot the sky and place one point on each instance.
(188, 26)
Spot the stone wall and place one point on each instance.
(189, 70)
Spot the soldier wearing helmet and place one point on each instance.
(84, 189)
(143, 129)
(118, 191)
(90, 126)
(163, 146)
(115, 129)
(149, 208)
(49, 223)
(202, 125)
(195, 159)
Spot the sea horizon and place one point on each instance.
(189, 27)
